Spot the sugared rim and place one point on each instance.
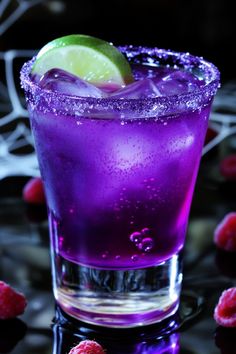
(49, 101)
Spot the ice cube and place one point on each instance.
(177, 82)
(139, 89)
(69, 84)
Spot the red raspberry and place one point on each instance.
(225, 311)
(87, 347)
(12, 303)
(33, 191)
(228, 167)
(225, 233)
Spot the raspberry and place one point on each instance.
(228, 167)
(225, 311)
(225, 233)
(87, 347)
(33, 191)
(12, 303)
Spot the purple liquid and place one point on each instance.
(119, 191)
(119, 166)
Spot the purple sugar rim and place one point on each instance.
(58, 103)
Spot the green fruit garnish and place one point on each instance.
(90, 58)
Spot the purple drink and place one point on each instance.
(119, 173)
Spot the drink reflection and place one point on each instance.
(152, 340)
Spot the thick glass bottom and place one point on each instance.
(118, 298)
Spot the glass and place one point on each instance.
(119, 175)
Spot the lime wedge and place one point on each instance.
(90, 58)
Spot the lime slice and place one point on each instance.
(90, 58)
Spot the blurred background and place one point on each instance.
(204, 27)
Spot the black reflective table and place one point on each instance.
(25, 264)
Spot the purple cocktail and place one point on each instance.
(119, 170)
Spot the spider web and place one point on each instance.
(17, 155)
(21, 8)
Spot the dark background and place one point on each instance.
(203, 27)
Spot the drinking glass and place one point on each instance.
(119, 176)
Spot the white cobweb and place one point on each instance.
(14, 128)
(20, 8)
(15, 133)
(17, 155)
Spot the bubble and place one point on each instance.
(146, 244)
(105, 254)
(136, 237)
(134, 258)
(145, 231)
(61, 240)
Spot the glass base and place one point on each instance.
(118, 298)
